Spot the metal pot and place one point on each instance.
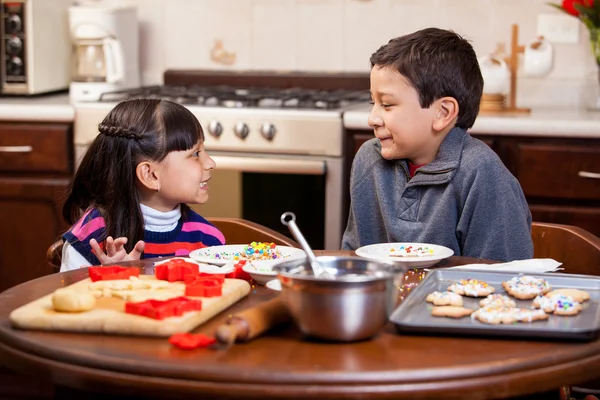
(354, 305)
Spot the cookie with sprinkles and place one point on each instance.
(507, 315)
(497, 300)
(526, 287)
(444, 299)
(451, 311)
(578, 295)
(558, 304)
(471, 288)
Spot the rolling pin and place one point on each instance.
(250, 323)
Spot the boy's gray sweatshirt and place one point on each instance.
(465, 199)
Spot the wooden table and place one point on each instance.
(284, 364)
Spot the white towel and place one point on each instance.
(534, 265)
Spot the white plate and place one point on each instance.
(206, 268)
(261, 275)
(382, 251)
(274, 284)
(226, 253)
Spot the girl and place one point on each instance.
(133, 185)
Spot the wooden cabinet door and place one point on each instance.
(31, 215)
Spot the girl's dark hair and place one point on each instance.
(437, 63)
(133, 131)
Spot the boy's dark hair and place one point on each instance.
(132, 132)
(437, 63)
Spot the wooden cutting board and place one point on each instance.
(108, 315)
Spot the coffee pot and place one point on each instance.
(105, 49)
(97, 60)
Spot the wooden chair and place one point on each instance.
(576, 248)
(235, 230)
(579, 251)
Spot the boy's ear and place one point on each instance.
(146, 174)
(446, 113)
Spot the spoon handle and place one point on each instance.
(289, 219)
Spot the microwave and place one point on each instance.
(35, 50)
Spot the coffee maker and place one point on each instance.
(104, 51)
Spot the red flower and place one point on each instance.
(569, 5)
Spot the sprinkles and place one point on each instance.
(410, 251)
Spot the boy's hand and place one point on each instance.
(115, 252)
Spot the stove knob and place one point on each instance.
(241, 130)
(215, 128)
(268, 131)
(14, 67)
(13, 24)
(14, 45)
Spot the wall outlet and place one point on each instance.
(558, 28)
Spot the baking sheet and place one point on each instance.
(414, 313)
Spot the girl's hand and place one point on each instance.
(115, 250)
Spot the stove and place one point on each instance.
(246, 97)
(282, 133)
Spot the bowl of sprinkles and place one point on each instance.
(260, 255)
(410, 255)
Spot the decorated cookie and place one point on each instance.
(578, 295)
(508, 315)
(526, 287)
(471, 288)
(450, 311)
(497, 300)
(558, 304)
(445, 299)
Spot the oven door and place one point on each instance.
(261, 187)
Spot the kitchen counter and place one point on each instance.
(46, 108)
(540, 122)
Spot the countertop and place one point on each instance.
(46, 108)
(540, 122)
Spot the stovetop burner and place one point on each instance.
(250, 97)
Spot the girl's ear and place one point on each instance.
(446, 113)
(146, 174)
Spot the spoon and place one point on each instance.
(289, 219)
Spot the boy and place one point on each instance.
(423, 178)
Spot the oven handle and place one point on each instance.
(270, 165)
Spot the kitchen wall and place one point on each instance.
(340, 35)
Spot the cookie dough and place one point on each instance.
(68, 300)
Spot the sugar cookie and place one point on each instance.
(497, 300)
(558, 304)
(526, 287)
(450, 311)
(445, 299)
(508, 315)
(578, 295)
(471, 288)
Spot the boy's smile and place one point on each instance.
(402, 126)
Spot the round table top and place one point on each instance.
(284, 364)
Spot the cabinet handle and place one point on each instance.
(591, 175)
(16, 149)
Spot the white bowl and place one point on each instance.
(383, 252)
(260, 274)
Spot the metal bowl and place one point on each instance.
(354, 305)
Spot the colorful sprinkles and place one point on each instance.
(410, 251)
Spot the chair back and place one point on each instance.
(576, 248)
(235, 230)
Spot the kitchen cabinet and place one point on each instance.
(559, 176)
(36, 167)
